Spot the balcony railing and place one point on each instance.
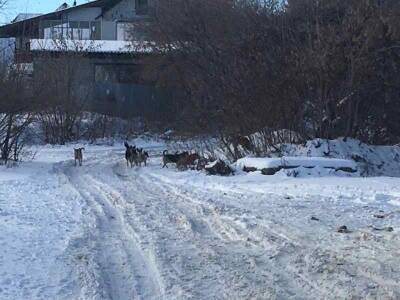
(74, 30)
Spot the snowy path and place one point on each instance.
(125, 271)
(152, 233)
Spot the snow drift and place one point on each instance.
(295, 162)
(370, 160)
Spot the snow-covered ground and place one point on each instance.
(104, 231)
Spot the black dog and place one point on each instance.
(130, 154)
(173, 158)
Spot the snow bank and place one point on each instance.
(294, 162)
(370, 160)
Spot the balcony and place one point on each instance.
(70, 30)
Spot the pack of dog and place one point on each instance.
(173, 158)
(183, 160)
(135, 156)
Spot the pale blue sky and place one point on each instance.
(31, 6)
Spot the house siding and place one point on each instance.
(84, 14)
(120, 98)
(124, 10)
(108, 30)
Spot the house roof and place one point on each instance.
(22, 24)
(25, 16)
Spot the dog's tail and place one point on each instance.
(165, 152)
(126, 145)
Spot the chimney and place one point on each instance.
(74, 3)
(62, 7)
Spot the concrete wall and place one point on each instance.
(113, 98)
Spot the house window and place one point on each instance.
(142, 7)
(118, 73)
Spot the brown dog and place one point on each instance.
(141, 157)
(188, 161)
(173, 158)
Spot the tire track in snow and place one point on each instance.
(81, 249)
(323, 263)
(317, 267)
(126, 273)
(245, 268)
(203, 248)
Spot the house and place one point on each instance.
(104, 35)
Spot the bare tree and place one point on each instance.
(225, 59)
(347, 56)
(16, 113)
(3, 3)
(314, 68)
(64, 87)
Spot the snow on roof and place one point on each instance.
(25, 16)
(92, 46)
